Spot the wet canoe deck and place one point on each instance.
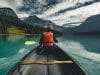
(54, 55)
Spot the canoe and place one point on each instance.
(47, 61)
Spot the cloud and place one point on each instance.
(22, 15)
(63, 5)
(13, 4)
(19, 3)
(71, 16)
(77, 15)
(8, 3)
(4, 4)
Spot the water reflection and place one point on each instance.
(90, 42)
(14, 38)
(12, 49)
(84, 49)
(9, 45)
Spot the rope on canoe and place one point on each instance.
(46, 63)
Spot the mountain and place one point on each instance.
(11, 24)
(7, 11)
(60, 12)
(91, 25)
(35, 21)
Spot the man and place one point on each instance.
(47, 39)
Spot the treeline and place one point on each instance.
(7, 21)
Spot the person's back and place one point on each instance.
(48, 39)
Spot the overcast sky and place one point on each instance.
(73, 16)
(14, 4)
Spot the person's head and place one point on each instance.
(48, 29)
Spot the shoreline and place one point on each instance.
(17, 34)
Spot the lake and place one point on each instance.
(12, 49)
(85, 50)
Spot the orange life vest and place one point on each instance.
(48, 39)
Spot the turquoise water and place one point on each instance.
(12, 49)
(84, 49)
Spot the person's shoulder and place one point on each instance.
(48, 32)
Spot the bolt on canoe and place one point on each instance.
(47, 61)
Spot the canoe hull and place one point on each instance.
(48, 55)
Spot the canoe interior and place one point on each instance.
(47, 55)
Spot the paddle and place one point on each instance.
(30, 42)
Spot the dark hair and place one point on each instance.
(48, 29)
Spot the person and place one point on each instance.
(47, 39)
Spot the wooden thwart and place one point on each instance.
(46, 63)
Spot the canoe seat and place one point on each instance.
(47, 63)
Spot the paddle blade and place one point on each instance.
(30, 42)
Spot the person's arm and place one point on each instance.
(41, 39)
(55, 40)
